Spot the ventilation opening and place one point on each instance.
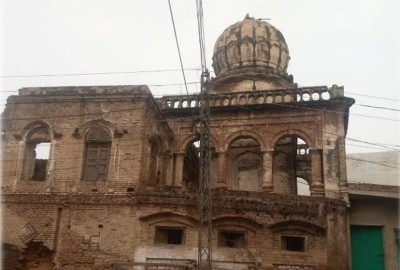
(231, 239)
(170, 236)
(41, 152)
(293, 243)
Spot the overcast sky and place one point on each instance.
(354, 43)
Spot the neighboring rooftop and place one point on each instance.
(379, 168)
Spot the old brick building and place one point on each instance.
(117, 186)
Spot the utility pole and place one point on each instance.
(205, 185)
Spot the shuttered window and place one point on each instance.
(98, 148)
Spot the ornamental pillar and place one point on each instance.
(317, 187)
(221, 182)
(179, 159)
(268, 157)
(170, 169)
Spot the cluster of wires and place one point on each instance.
(200, 27)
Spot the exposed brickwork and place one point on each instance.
(148, 161)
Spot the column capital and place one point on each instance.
(267, 150)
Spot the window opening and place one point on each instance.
(170, 236)
(293, 243)
(231, 239)
(37, 154)
(42, 152)
(303, 188)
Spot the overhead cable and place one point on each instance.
(95, 73)
(177, 45)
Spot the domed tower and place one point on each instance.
(251, 55)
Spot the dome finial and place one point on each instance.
(247, 16)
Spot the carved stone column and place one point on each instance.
(317, 187)
(170, 168)
(221, 182)
(268, 157)
(179, 159)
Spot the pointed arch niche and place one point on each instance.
(244, 165)
(38, 154)
(97, 153)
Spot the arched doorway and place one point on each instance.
(291, 166)
(191, 166)
(245, 165)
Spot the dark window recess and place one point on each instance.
(171, 236)
(293, 243)
(231, 239)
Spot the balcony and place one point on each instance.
(304, 94)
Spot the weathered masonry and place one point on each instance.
(106, 177)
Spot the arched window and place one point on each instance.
(37, 154)
(97, 156)
(291, 163)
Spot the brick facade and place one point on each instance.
(262, 140)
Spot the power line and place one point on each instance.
(369, 96)
(372, 162)
(95, 73)
(177, 45)
(377, 107)
(149, 85)
(375, 144)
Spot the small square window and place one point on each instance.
(170, 236)
(293, 243)
(231, 239)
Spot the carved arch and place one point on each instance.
(31, 127)
(288, 132)
(243, 133)
(297, 225)
(82, 131)
(236, 221)
(170, 216)
(247, 152)
(193, 137)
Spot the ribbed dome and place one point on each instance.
(251, 46)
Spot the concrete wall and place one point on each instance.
(378, 211)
